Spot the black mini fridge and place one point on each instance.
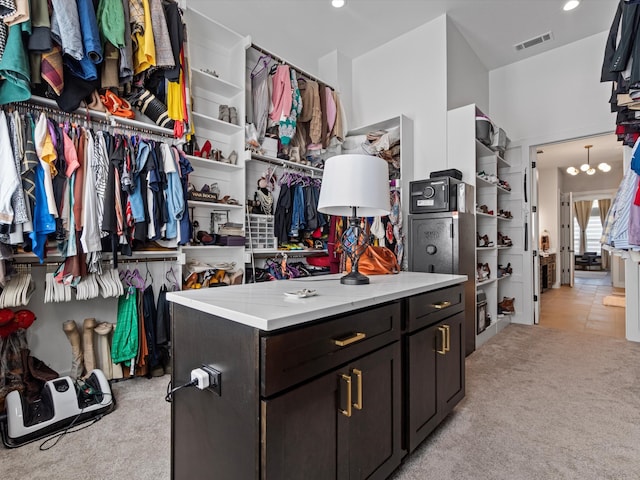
(445, 243)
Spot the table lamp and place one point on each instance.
(354, 186)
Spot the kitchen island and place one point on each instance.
(344, 383)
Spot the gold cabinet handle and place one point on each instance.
(347, 379)
(448, 336)
(443, 332)
(441, 305)
(358, 404)
(348, 341)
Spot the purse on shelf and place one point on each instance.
(376, 261)
(149, 105)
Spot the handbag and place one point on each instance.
(376, 261)
(148, 104)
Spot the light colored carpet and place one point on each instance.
(541, 404)
(614, 301)
(132, 442)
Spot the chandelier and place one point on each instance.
(587, 168)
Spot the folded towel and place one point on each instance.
(14, 68)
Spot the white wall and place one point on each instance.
(335, 69)
(467, 77)
(554, 95)
(549, 208)
(551, 97)
(408, 76)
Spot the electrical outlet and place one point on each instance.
(215, 379)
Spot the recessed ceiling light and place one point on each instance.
(570, 5)
(337, 3)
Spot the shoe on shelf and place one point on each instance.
(204, 152)
(205, 238)
(294, 155)
(506, 306)
(223, 113)
(483, 209)
(233, 115)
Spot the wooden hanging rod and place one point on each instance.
(281, 60)
(85, 114)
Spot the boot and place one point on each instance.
(294, 155)
(223, 113)
(87, 342)
(73, 334)
(103, 330)
(233, 115)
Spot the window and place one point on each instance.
(594, 231)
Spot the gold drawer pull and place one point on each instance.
(448, 332)
(441, 305)
(347, 412)
(443, 337)
(348, 341)
(358, 404)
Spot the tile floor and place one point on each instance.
(580, 308)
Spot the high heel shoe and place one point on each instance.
(205, 151)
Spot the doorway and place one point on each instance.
(576, 300)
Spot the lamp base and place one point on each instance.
(354, 278)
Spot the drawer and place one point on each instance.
(428, 308)
(296, 355)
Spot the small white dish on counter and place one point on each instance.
(304, 293)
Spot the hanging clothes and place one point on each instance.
(287, 128)
(124, 344)
(9, 180)
(282, 95)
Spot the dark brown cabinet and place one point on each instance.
(434, 362)
(345, 424)
(345, 397)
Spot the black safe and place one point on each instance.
(445, 243)
(439, 194)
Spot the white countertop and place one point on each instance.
(266, 307)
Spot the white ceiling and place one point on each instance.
(302, 31)
(491, 27)
(606, 148)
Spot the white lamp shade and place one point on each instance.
(353, 180)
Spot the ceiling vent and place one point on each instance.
(545, 37)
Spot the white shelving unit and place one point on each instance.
(405, 124)
(472, 157)
(217, 67)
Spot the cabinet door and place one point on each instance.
(435, 364)
(314, 432)
(374, 430)
(300, 431)
(422, 396)
(451, 366)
